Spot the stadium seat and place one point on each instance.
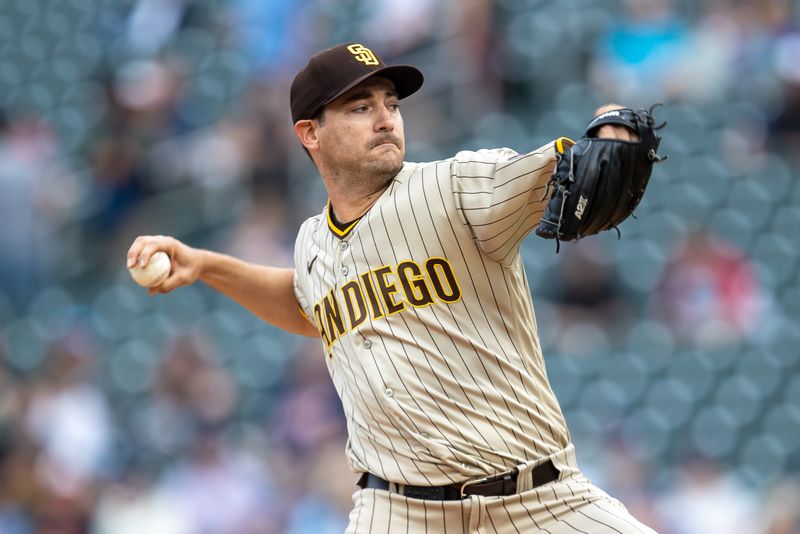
(674, 399)
(752, 199)
(740, 395)
(653, 343)
(26, 341)
(775, 259)
(631, 371)
(566, 378)
(640, 262)
(732, 226)
(782, 421)
(708, 172)
(785, 223)
(114, 308)
(714, 431)
(762, 368)
(649, 432)
(762, 459)
(694, 369)
(131, 366)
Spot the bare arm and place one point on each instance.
(266, 291)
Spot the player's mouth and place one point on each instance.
(387, 142)
(386, 145)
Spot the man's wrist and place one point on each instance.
(206, 262)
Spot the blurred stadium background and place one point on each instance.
(675, 351)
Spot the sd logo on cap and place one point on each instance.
(363, 54)
(334, 71)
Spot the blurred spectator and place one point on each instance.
(59, 446)
(786, 124)
(704, 499)
(630, 479)
(588, 296)
(191, 393)
(275, 36)
(69, 419)
(141, 108)
(758, 23)
(328, 499)
(413, 24)
(469, 56)
(151, 24)
(308, 415)
(261, 235)
(246, 150)
(706, 70)
(58, 513)
(18, 184)
(781, 514)
(32, 197)
(118, 180)
(133, 506)
(640, 52)
(263, 113)
(221, 489)
(18, 491)
(708, 292)
(307, 424)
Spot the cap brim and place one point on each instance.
(407, 80)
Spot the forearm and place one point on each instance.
(265, 291)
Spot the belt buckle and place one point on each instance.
(482, 480)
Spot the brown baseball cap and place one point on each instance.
(332, 72)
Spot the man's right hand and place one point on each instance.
(187, 262)
(266, 291)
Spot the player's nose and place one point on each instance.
(385, 120)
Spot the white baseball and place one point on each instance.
(152, 274)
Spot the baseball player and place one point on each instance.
(412, 279)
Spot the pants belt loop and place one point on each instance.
(525, 480)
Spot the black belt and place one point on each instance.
(494, 486)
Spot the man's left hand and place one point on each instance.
(613, 131)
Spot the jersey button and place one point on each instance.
(344, 271)
(389, 392)
(344, 245)
(367, 343)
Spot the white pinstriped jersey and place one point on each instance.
(426, 319)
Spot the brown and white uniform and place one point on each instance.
(429, 334)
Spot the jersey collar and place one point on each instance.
(343, 230)
(339, 230)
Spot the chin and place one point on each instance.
(390, 163)
(389, 167)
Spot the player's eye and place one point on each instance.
(394, 106)
(361, 109)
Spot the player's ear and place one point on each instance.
(306, 131)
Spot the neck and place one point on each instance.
(352, 192)
(350, 203)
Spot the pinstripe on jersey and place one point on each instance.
(436, 389)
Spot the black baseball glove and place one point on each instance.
(598, 182)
